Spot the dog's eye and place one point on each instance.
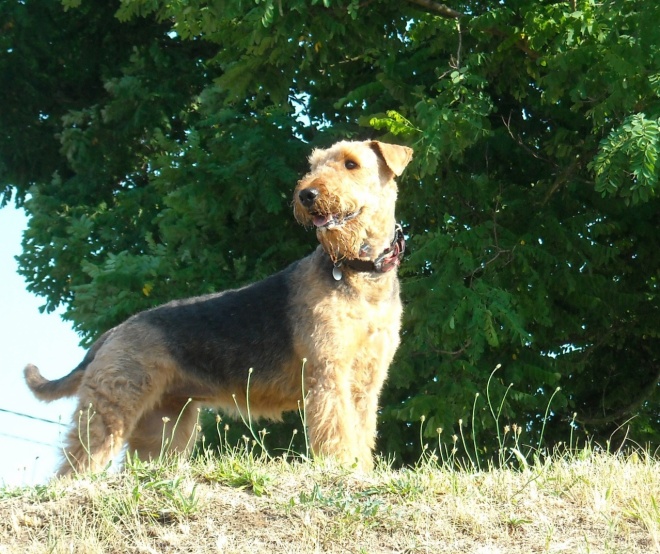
(350, 164)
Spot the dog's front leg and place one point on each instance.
(330, 413)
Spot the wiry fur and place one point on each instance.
(169, 361)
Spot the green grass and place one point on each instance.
(242, 498)
(582, 501)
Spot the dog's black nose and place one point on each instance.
(308, 197)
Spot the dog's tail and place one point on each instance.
(68, 385)
(47, 390)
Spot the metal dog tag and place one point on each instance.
(336, 273)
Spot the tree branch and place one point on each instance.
(627, 410)
(437, 8)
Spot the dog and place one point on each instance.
(322, 333)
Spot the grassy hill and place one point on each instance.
(585, 502)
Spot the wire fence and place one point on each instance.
(36, 418)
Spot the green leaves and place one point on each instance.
(453, 118)
(627, 162)
(156, 149)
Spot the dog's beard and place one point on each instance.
(342, 241)
(337, 224)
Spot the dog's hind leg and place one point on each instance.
(91, 443)
(113, 396)
(170, 425)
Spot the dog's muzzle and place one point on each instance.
(308, 198)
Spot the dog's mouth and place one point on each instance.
(330, 221)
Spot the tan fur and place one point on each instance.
(129, 384)
(351, 338)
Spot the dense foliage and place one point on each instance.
(155, 146)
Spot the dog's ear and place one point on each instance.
(395, 156)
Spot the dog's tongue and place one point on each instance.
(321, 220)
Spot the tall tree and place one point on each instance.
(155, 145)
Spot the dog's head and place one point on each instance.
(349, 197)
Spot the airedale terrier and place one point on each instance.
(338, 309)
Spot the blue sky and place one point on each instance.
(30, 448)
